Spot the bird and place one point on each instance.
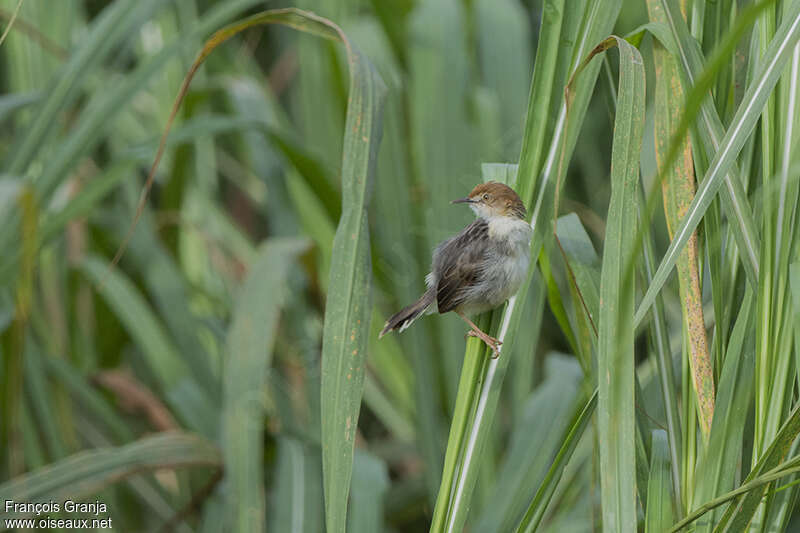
(479, 268)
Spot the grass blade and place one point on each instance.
(349, 303)
(616, 416)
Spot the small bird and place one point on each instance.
(481, 267)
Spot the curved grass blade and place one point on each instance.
(742, 125)
(616, 416)
(249, 346)
(85, 473)
(91, 126)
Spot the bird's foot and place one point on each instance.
(490, 341)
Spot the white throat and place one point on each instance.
(509, 228)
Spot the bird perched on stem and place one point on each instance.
(481, 267)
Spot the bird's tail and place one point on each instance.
(403, 318)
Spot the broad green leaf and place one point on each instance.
(249, 349)
(616, 416)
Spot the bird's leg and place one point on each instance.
(490, 341)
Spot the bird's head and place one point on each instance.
(493, 199)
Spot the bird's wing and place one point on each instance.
(458, 263)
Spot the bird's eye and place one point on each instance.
(486, 196)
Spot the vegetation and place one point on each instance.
(194, 274)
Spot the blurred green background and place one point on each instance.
(216, 307)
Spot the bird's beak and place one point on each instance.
(466, 200)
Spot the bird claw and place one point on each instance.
(490, 341)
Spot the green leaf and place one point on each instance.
(349, 302)
(615, 361)
(249, 348)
